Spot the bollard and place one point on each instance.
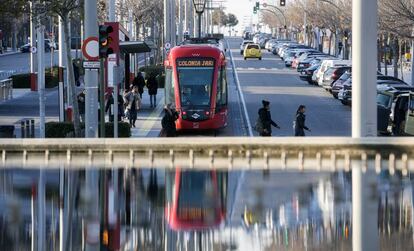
(22, 125)
(32, 129)
(27, 131)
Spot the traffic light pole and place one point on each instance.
(102, 97)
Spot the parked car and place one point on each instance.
(345, 94)
(252, 51)
(333, 74)
(26, 47)
(306, 74)
(395, 110)
(338, 84)
(326, 64)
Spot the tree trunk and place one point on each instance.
(395, 55)
(330, 44)
(71, 84)
(379, 56)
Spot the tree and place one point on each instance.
(219, 17)
(231, 20)
(63, 9)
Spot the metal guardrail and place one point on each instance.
(300, 154)
(6, 89)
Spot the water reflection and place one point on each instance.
(188, 210)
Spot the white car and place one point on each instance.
(326, 64)
(243, 45)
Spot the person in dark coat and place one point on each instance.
(168, 121)
(152, 85)
(109, 108)
(266, 119)
(300, 126)
(81, 105)
(140, 83)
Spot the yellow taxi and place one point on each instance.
(252, 51)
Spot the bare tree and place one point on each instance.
(63, 9)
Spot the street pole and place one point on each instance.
(111, 10)
(92, 224)
(412, 63)
(190, 18)
(173, 33)
(167, 27)
(62, 64)
(91, 76)
(33, 66)
(181, 21)
(364, 122)
(199, 24)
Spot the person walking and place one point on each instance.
(110, 109)
(81, 105)
(299, 123)
(133, 105)
(265, 119)
(140, 83)
(152, 85)
(168, 122)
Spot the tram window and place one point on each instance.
(222, 88)
(196, 190)
(195, 85)
(169, 87)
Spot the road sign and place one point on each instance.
(90, 49)
(33, 49)
(264, 5)
(167, 46)
(91, 64)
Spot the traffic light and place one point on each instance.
(254, 10)
(282, 2)
(105, 41)
(257, 5)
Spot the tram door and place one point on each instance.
(409, 124)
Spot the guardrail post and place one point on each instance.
(2, 92)
(22, 128)
(27, 128)
(32, 128)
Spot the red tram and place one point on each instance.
(196, 84)
(195, 200)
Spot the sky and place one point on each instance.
(243, 8)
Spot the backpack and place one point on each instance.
(258, 127)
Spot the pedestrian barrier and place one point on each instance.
(6, 89)
(27, 127)
(303, 154)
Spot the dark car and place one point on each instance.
(306, 74)
(26, 48)
(338, 84)
(345, 94)
(333, 74)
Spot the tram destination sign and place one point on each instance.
(195, 63)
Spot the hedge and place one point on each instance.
(21, 81)
(65, 129)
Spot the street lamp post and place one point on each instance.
(199, 6)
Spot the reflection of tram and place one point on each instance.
(196, 84)
(195, 200)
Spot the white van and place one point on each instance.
(317, 76)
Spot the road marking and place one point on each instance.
(249, 126)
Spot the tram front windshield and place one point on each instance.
(195, 82)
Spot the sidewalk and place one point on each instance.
(149, 119)
(9, 52)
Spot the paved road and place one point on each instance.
(270, 79)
